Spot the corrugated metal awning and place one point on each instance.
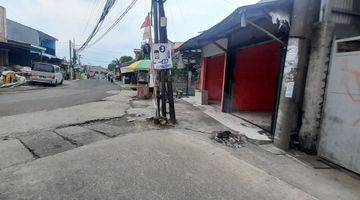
(234, 22)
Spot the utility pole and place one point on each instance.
(79, 57)
(156, 40)
(304, 15)
(70, 60)
(75, 57)
(166, 90)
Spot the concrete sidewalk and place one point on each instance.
(251, 132)
(169, 164)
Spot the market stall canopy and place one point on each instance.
(141, 65)
(125, 70)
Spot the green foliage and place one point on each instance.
(196, 73)
(124, 59)
(118, 62)
(111, 67)
(180, 74)
(142, 56)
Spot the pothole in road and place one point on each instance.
(123, 121)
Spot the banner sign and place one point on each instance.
(162, 57)
(125, 70)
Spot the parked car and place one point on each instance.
(46, 73)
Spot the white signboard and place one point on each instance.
(162, 57)
(124, 70)
(289, 89)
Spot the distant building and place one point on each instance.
(95, 72)
(23, 45)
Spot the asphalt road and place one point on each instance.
(69, 94)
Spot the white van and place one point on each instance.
(46, 73)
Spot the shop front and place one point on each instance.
(242, 62)
(254, 83)
(214, 78)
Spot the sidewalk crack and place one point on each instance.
(36, 156)
(73, 142)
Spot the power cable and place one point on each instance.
(232, 3)
(104, 51)
(93, 5)
(132, 4)
(98, 50)
(108, 5)
(106, 10)
(95, 60)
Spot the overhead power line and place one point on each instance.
(96, 60)
(109, 4)
(104, 51)
(94, 5)
(132, 4)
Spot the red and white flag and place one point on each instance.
(147, 22)
(147, 33)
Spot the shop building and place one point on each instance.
(22, 45)
(280, 65)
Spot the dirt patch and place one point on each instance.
(229, 139)
(135, 103)
(123, 121)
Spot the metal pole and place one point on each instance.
(70, 60)
(80, 60)
(167, 73)
(160, 36)
(163, 92)
(156, 40)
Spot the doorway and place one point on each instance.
(255, 79)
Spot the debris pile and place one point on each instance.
(13, 78)
(230, 139)
(10, 79)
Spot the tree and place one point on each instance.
(111, 66)
(124, 59)
(118, 62)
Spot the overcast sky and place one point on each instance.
(74, 19)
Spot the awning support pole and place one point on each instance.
(219, 46)
(265, 31)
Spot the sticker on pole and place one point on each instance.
(162, 56)
(289, 89)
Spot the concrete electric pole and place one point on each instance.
(304, 15)
(70, 60)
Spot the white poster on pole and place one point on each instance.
(162, 56)
(289, 90)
